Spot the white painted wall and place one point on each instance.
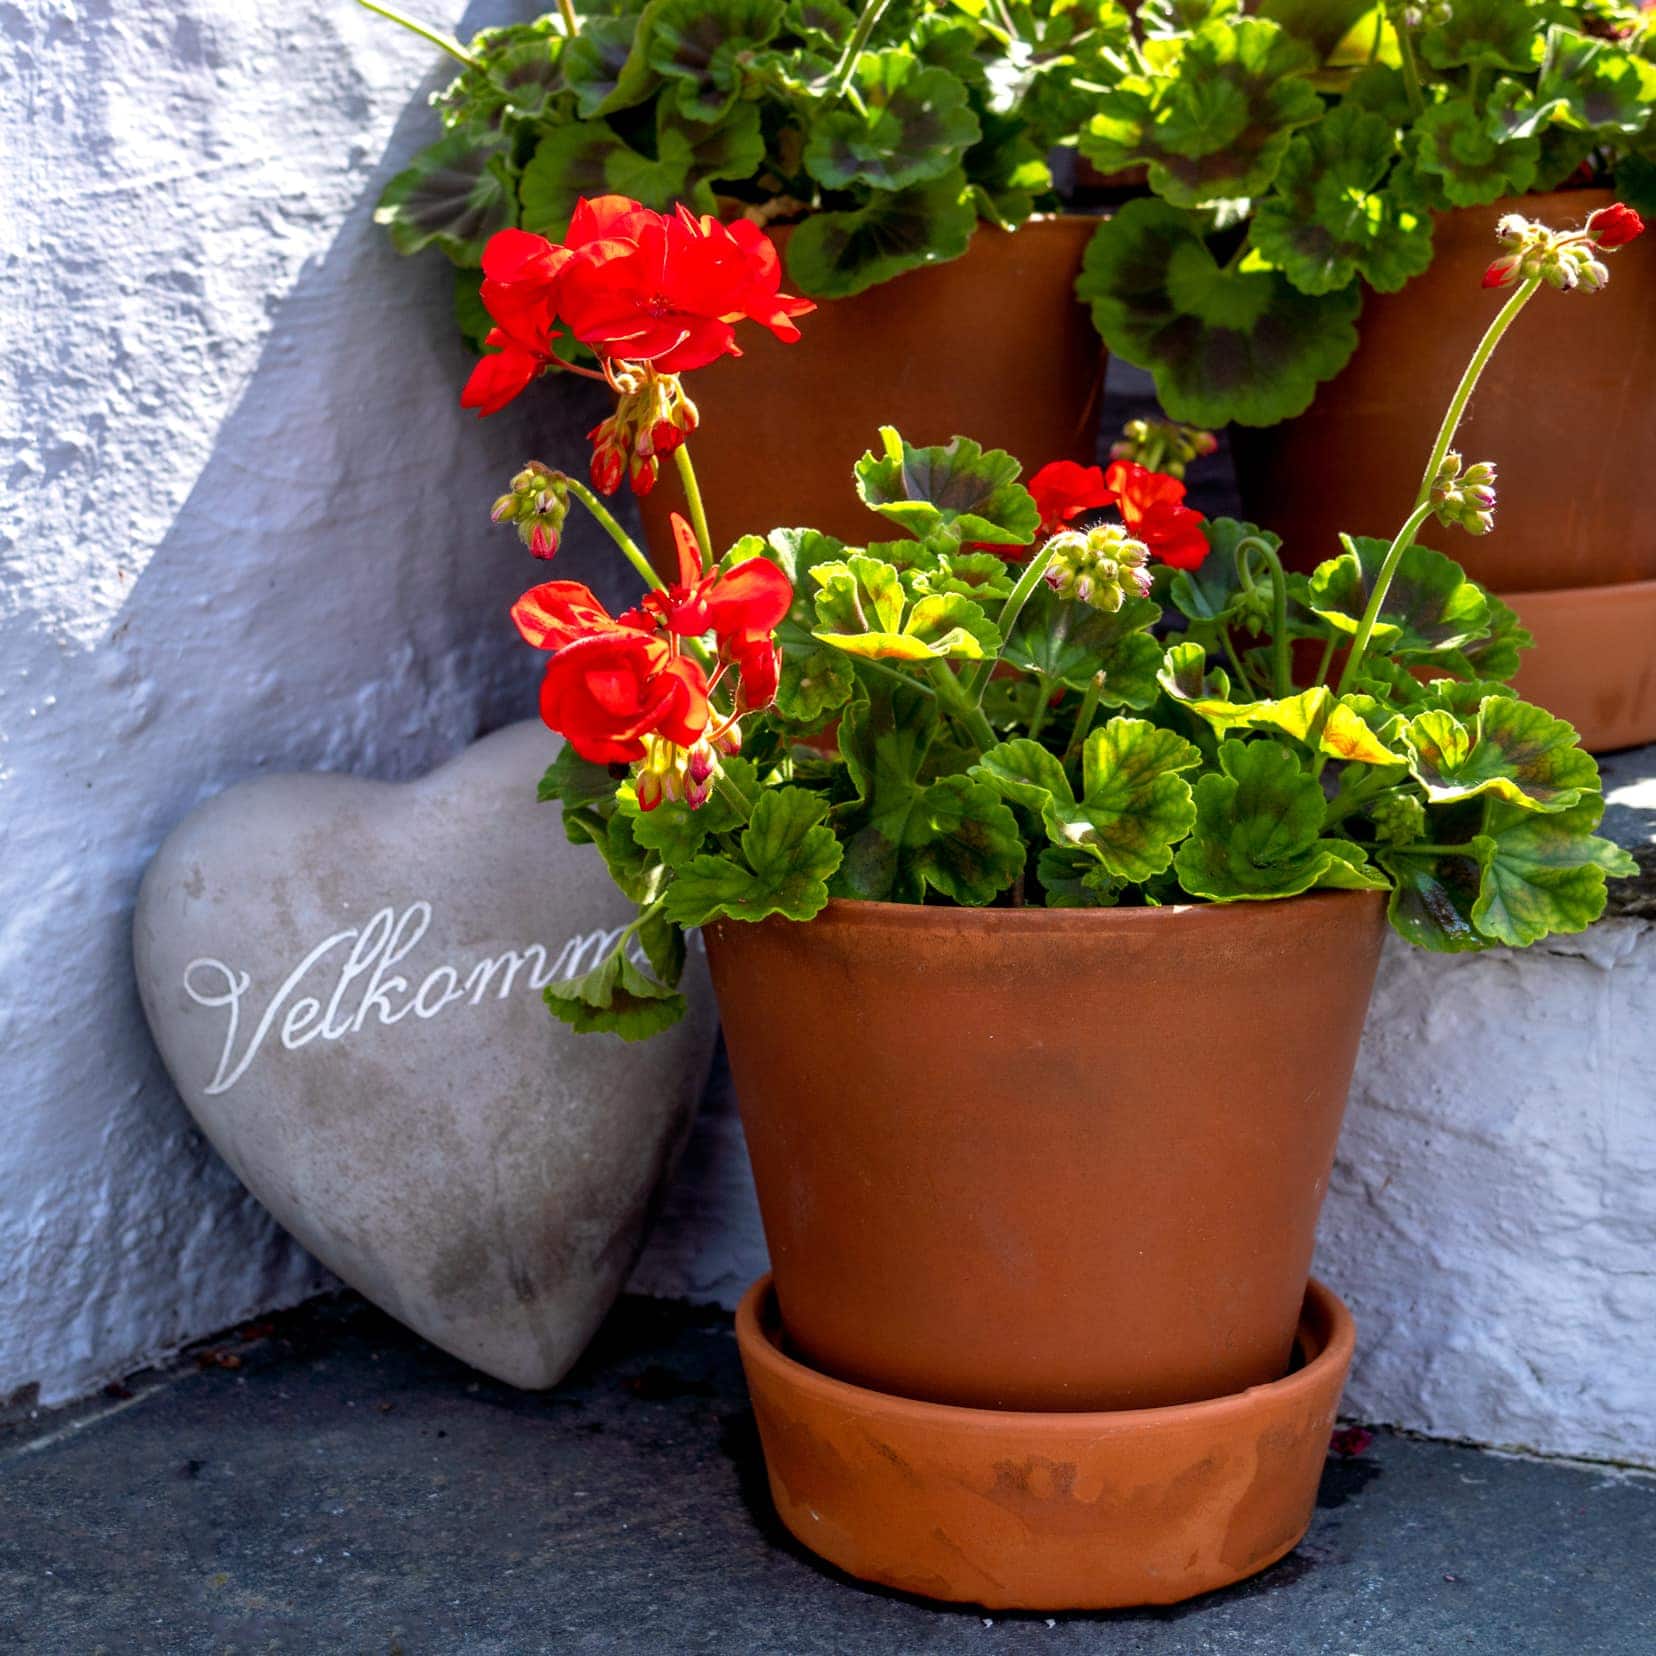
(243, 527)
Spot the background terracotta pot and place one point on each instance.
(1566, 410)
(992, 345)
(1046, 1158)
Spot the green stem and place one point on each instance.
(1243, 682)
(1411, 71)
(731, 791)
(443, 42)
(978, 682)
(957, 701)
(854, 49)
(1043, 705)
(571, 23)
(1327, 659)
(616, 533)
(698, 512)
(1281, 667)
(1504, 319)
(1084, 718)
(1382, 586)
(1356, 799)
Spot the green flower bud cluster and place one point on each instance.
(538, 503)
(1163, 445)
(1465, 499)
(1103, 567)
(1398, 818)
(1565, 260)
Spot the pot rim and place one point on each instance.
(1323, 1314)
(1241, 915)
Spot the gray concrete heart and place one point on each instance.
(344, 980)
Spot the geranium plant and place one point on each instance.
(889, 131)
(1296, 156)
(1076, 693)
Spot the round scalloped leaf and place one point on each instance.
(1510, 749)
(1257, 824)
(824, 24)
(1214, 120)
(914, 123)
(1325, 222)
(702, 44)
(862, 609)
(1323, 25)
(1007, 169)
(963, 842)
(689, 155)
(1432, 899)
(789, 852)
(607, 64)
(1071, 643)
(1431, 607)
(833, 255)
(1494, 33)
(569, 162)
(518, 74)
(1458, 145)
(1134, 806)
(616, 997)
(455, 194)
(816, 678)
(958, 490)
(1544, 874)
(1223, 344)
(1588, 86)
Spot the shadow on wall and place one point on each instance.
(330, 595)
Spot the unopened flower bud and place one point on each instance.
(1465, 499)
(505, 506)
(1398, 818)
(608, 468)
(649, 790)
(729, 740)
(537, 503)
(543, 540)
(702, 762)
(1614, 226)
(1101, 567)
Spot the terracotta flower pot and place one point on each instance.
(1055, 1511)
(992, 345)
(1566, 410)
(1046, 1158)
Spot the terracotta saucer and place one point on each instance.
(1055, 1511)
(1594, 661)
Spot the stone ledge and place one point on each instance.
(1630, 820)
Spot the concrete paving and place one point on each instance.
(326, 1482)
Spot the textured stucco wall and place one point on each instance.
(243, 528)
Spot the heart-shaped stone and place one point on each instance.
(344, 980)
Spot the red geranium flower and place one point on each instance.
(1152, 507)
(606, 692)
(1064, 490)
(1614, 226)
(751, 598)
(521, 273)
(666, 289)
(557, 613)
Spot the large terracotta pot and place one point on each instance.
(992, 345)
(1566, 410)
(1046, 1158)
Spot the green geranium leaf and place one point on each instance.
(904, 834)
(1457, 146)
(824, 24)
(1510, 749)
(1073, 643)
(913, 124)
(702, 45)
(788, 854)
(1075, 879)
(663, 946)
(835, 254)
(1215, 123)
(689, 155)
(816, 678)
(1008, 170)
(1258, 819)
(1212, 592)
(616, 997)
(673, 830)
(1431, 607)
(981, 576)
(863, 609)
(1432, 898)
(1223, 344)
(1327, 221)
(1025, 773)
(1544, 874)
(1636, 184)
(1588, 85)
(569, 162)
(1176, 17)
(1497, 33)
(1323, 25)
(607, 65)
(956, 491)
(1335, 725)
(517, 75)
(1496, 654)
(455, 194)
(575, 781)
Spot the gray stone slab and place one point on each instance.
(345, 1487)
(1630, 820)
